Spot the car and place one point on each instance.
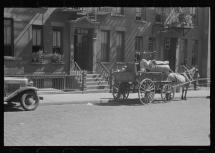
(21, 90)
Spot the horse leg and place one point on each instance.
(182, 93)
(185, 96)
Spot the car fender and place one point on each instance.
(18, 92)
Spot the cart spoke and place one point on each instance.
(142, 90)
(151, 96)
(150, 88)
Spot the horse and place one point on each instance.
(185, 78)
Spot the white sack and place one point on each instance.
(144, 64)
(160, 68)
(160, 62)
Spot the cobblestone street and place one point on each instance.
(174, 123)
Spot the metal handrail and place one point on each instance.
(103, 71)
(78, 72)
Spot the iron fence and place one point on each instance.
(61, 82)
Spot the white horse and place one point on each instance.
(185, 78)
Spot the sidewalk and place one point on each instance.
(83, 98)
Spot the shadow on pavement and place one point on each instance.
(130, 102)
(12, 108)
(207, 97)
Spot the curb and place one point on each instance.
(99, 100)
(71, 92)
(85, 92)
(73, 102)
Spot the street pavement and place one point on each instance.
(129, 123)
(95, 119)
(78, 98)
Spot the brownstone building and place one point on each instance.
(58, 40)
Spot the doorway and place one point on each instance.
(170, 51)
(83, 53)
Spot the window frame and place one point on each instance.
(115, 11)
(138, 43)
(120, 57)
(107, 58)
(151, 42)
(167, 43)
(12, 36)
(38, 27)
(57, 29)
(195, 16)
(195, 52)
(141, 12)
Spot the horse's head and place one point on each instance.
(194, 72)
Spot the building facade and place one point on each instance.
(56, 40)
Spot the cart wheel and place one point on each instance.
(29, 101)
(167, 92)
(146, 91)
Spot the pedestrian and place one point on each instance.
(196, 78)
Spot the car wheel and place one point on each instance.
(29, 100)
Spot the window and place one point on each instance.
(151, 44)
(37, 33)
(120, 46)
(167, 43)
(57, 41)
(8, 37)
(194, 60)
(139, 44)
(184, 51)
(158, 18)
(37, 47)
(118, 11)
(194, 13)
(158, 14)
(105, 48)
(140, 14)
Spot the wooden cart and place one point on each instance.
(147, 84)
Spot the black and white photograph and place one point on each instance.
(107, 76)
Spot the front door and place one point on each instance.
(83, 48)
(170, 51)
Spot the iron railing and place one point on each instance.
(78, 72)
(61, 82)
(103, 70)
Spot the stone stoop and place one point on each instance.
(96, 83)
